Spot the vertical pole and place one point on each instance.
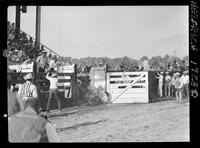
(75, 85)
(38, 23)
(17, 20)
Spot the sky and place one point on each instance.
(110, 31)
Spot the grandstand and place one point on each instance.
(22, 47)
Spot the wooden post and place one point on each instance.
(38, 23)
(17, 20)
(74, 86)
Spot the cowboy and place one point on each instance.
(52, 77)
(160, 83)
(185, 89)
(26, 90)
(167, 82)
(178, 88)
(29, 126)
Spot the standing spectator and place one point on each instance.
(160, 84)
(41, 62)
(172, 85)
(52, 77)
(178, 88)
(13, 106)
(53, 63)
(167, 84)
(26, 90)
(29, 126)
(185, 90)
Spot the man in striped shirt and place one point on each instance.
(26, 90)
(29, 126)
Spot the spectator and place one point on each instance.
(167, 84)
(41, 62)
(29, 126)
(178, 88)
(172, 86)
(185, 90)
(160, 84)
(53, 63)
(13, 106)
(52, 77)
(26, 90)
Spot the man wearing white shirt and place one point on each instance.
(167, 86)
(160, 83)
(52, 77)
(41, 62)
(53, 63)
(178, 88)
(185, 89)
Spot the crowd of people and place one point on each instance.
(175, 85)
(22, 48)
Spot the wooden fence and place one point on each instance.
(128, 87)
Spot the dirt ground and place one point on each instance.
(163, 121)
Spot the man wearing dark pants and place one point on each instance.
(52, 77)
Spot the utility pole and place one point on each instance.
(174, 52)
(38, 23)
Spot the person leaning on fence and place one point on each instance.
(52, 77)
(41, 62)
(160, 84)
(29, 126)
(53, 63)
(26, 90)
(167, 84)
(185, 89)
(178, 88)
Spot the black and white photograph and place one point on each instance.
(98, 73)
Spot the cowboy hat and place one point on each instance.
(28, 76)
(161, 72)
(54, 57)
(54, 75)
(167, 72)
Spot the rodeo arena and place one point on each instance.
(51, 100)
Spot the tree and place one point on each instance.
(144, 58)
